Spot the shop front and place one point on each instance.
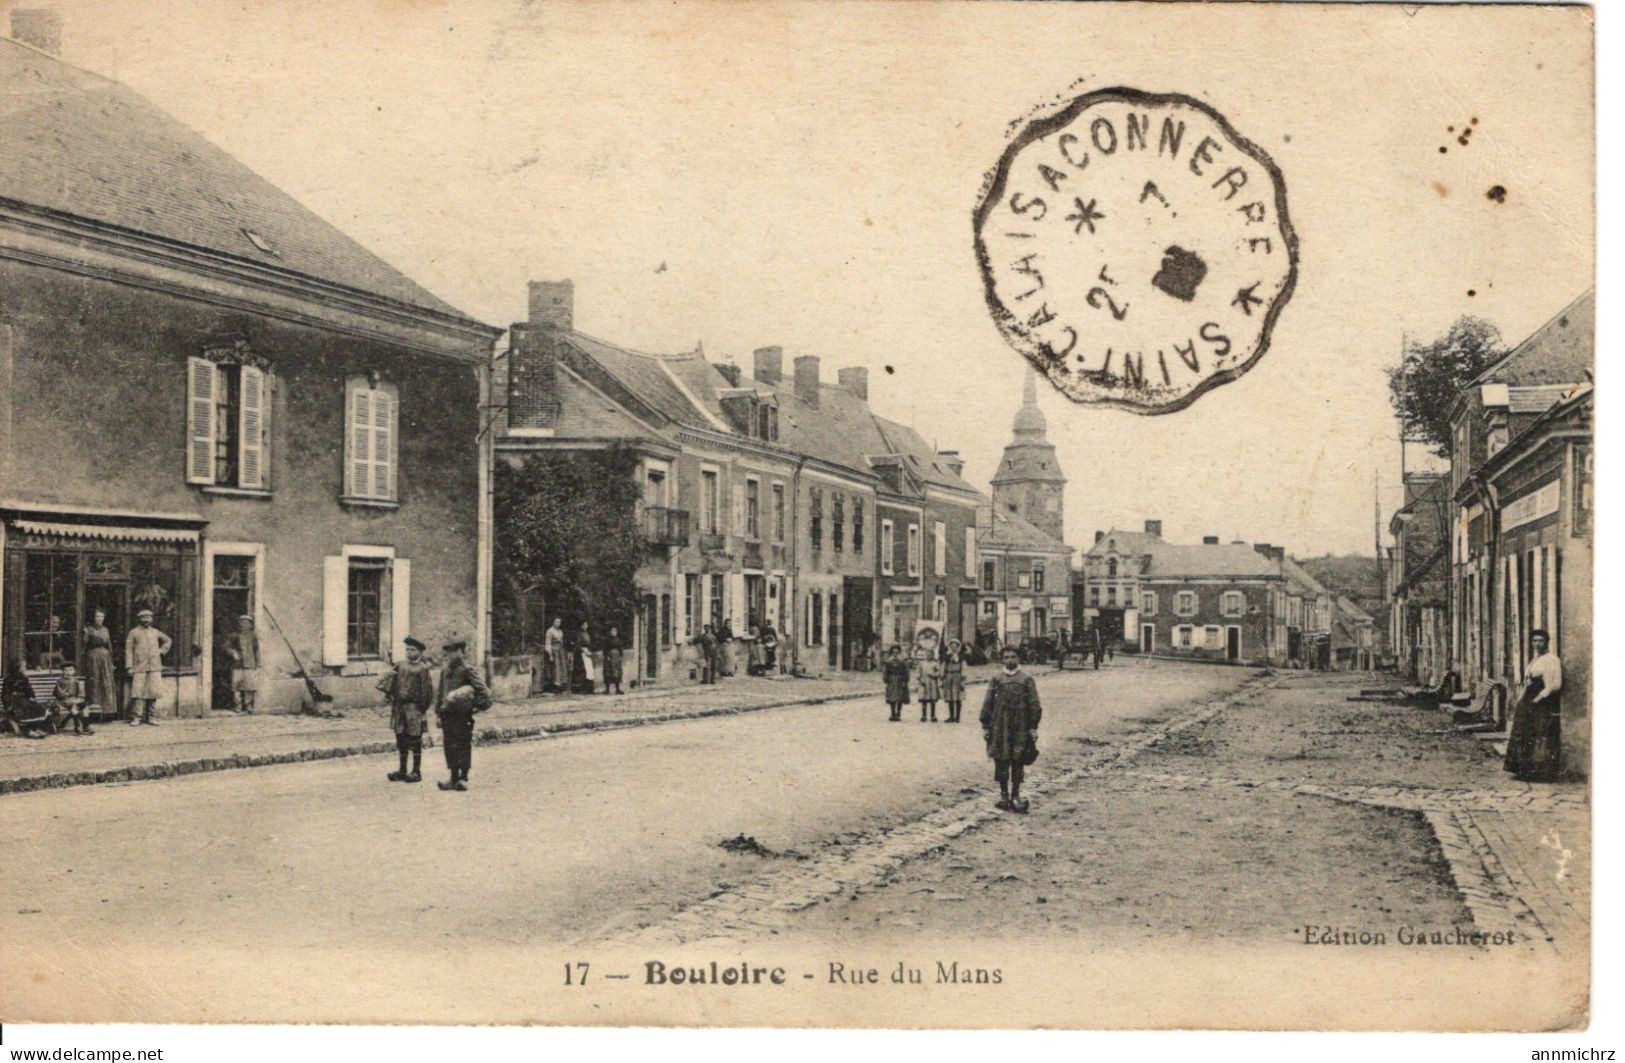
(65, 576)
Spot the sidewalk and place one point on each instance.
(118, 752)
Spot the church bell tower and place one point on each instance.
(1029, 482)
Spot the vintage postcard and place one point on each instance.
(796, 514)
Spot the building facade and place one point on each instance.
(213, 413)
(1418, 584)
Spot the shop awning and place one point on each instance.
(107, 531)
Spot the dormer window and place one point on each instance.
(260, 242)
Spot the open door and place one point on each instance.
(1232, 643)
(1148, 638)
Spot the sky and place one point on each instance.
(804, 176)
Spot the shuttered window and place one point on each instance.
(228, 425)
(371, 444)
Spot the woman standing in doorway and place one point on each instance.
(101, 689)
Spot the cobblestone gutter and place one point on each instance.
(764, 904)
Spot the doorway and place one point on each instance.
(1232, 643)
(1148, 638)
(649, 635)
(857, 618)
(232, 596)
(114, 600)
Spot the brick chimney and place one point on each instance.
(1099, 535)
(855, 379)
(770, 365)
(1154, 527)
(730, 373)
(950, 459)
(1262, 548)
(552, 304)
(38, 27)
(1210, 540)
(807, 379)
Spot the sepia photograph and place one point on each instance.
(929, 515)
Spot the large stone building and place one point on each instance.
(1520, 526)
(213, 404)
(774, 497)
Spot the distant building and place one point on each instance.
(1418, 579)
(1025, 587)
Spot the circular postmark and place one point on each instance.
(1136, 248)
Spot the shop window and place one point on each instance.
(50, 611)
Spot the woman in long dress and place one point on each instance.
(101, 687)
(1534, 749)
(613, 656)
(558, 662)
(585, 680)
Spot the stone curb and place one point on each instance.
(494, 736)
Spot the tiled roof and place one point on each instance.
(1297, 573)
(584, 413)
(1559, 352)
(1354, 611)
(643, 376)
(1536, 399)
(1131, 543)
(76, 143)
(997, 528)
(921, 456)
(1176, 560)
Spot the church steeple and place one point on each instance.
(1029, 482)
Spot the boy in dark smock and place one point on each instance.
(462, 693)
(409, 687)
(1010, 715)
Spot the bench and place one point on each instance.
(43, 683)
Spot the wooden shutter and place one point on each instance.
(252, 429)
(202, 383)
(383, 445)
(737, 525)
(335, 610)
(400, 605)
(359, 440)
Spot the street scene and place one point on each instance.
(442, 587)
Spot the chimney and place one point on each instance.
(730, 373)
(1262, 548)
(552, 304)
(950, 459)
(769, 364)
(1277, 553)
(807, 379)
(1210, 540)
(1238, 542)
(1099, 535)
(1154, 527)
(855, 379)
(38, 27)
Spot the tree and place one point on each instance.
(1431, 375)
(568, 537)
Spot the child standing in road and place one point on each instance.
(953, 678)
(410, 690)
(896, 673)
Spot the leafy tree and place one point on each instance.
(568, 543)
(1429, 377)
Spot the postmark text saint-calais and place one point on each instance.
(1136, 248)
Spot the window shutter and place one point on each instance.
(400, 606)
(970, 552)
(201, 381)
(335, 610)
(360, 437)
(383, 445)
(252, 433)
(738, 525)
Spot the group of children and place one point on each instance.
(931, 673)
(412, 692)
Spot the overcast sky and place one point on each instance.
(806, 175)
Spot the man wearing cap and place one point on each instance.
(144, 649)
(410, 690)
(462, 693)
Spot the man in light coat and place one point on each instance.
(144, 649)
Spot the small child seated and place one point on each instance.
(68, 700)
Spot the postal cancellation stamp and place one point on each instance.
(1136, 248)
